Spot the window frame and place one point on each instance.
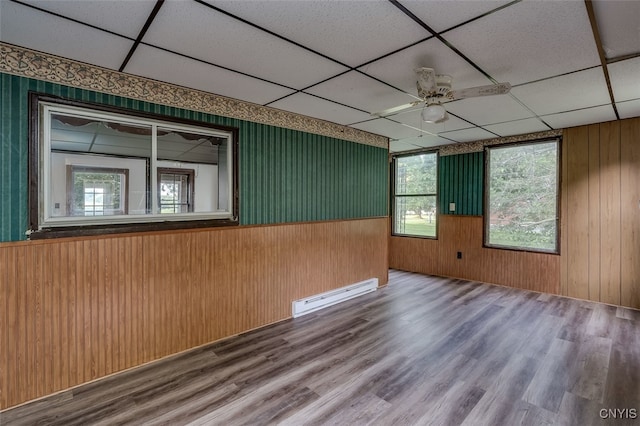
(486, 198)
(394, 174)
(190, 173)
(73, 168)
(36, 229)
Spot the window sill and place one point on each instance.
(94, 230)
(521, 249)
(423, 237)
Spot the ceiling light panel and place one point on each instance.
(27, 27)
(518, 127)
(399, 146)
(529, 40)
(124, 17)
(440, 15)
(124, 151)
(580, 117)
(429, 141)
(468, 135)
(629, 109)
(302, 103)
(70, 146)
(198, 31)
(348, 31)
(397, 69)
(489, 109)
(61, 132)
(568, 92)
(388, 128)
(619, 26)
(625, 78)
(165, 66)
(360, 91)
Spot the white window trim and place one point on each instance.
(46, 220)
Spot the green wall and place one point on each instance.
(285, 175)
(460, 179)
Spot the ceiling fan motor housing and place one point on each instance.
(442, 87)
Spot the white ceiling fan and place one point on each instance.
(433, 89)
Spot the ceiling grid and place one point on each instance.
(569, 62)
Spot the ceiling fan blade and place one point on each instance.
(472, 92)
(393, 110)
(426, 79)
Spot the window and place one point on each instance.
(415, 194)
(175, 190)
(522, 196)
(96, 191)
(94, 169)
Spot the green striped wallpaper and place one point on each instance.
(285, 175)
(460, 178)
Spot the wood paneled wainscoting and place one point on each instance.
(599, 228)
(74, 310)
(456, 233)
(601, 213)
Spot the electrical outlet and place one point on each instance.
(459, 255)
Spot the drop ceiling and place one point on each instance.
(341, 60)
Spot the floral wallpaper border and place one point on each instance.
(43, 66)
(466, 147)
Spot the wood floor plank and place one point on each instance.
(591, 365)
(505, 391)
(423, 350)
(453, 407)
(552, 379)
(340, 397)
(623, 375)
(575, 410)
(427, 392)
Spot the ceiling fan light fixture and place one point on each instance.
(433, 113)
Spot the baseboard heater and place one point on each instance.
(324, 300)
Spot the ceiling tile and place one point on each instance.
(625, 78)
(413, 118)
(312, 106)
(488, 109)
(517, 127)
(397, 69)
(164, 66)
(568, 92)
(529, 40)
(124, 151)
(200, 32)
(388, 128)
(629, 109)
(618, 26)
(124, 17)
(429, 141)
(359, 91)
(399, 146)
(528, 43)
(441, 15)
(581, 117)
(468, 135)
(27, 27)
(348, 31)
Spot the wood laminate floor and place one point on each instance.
(421, 351)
